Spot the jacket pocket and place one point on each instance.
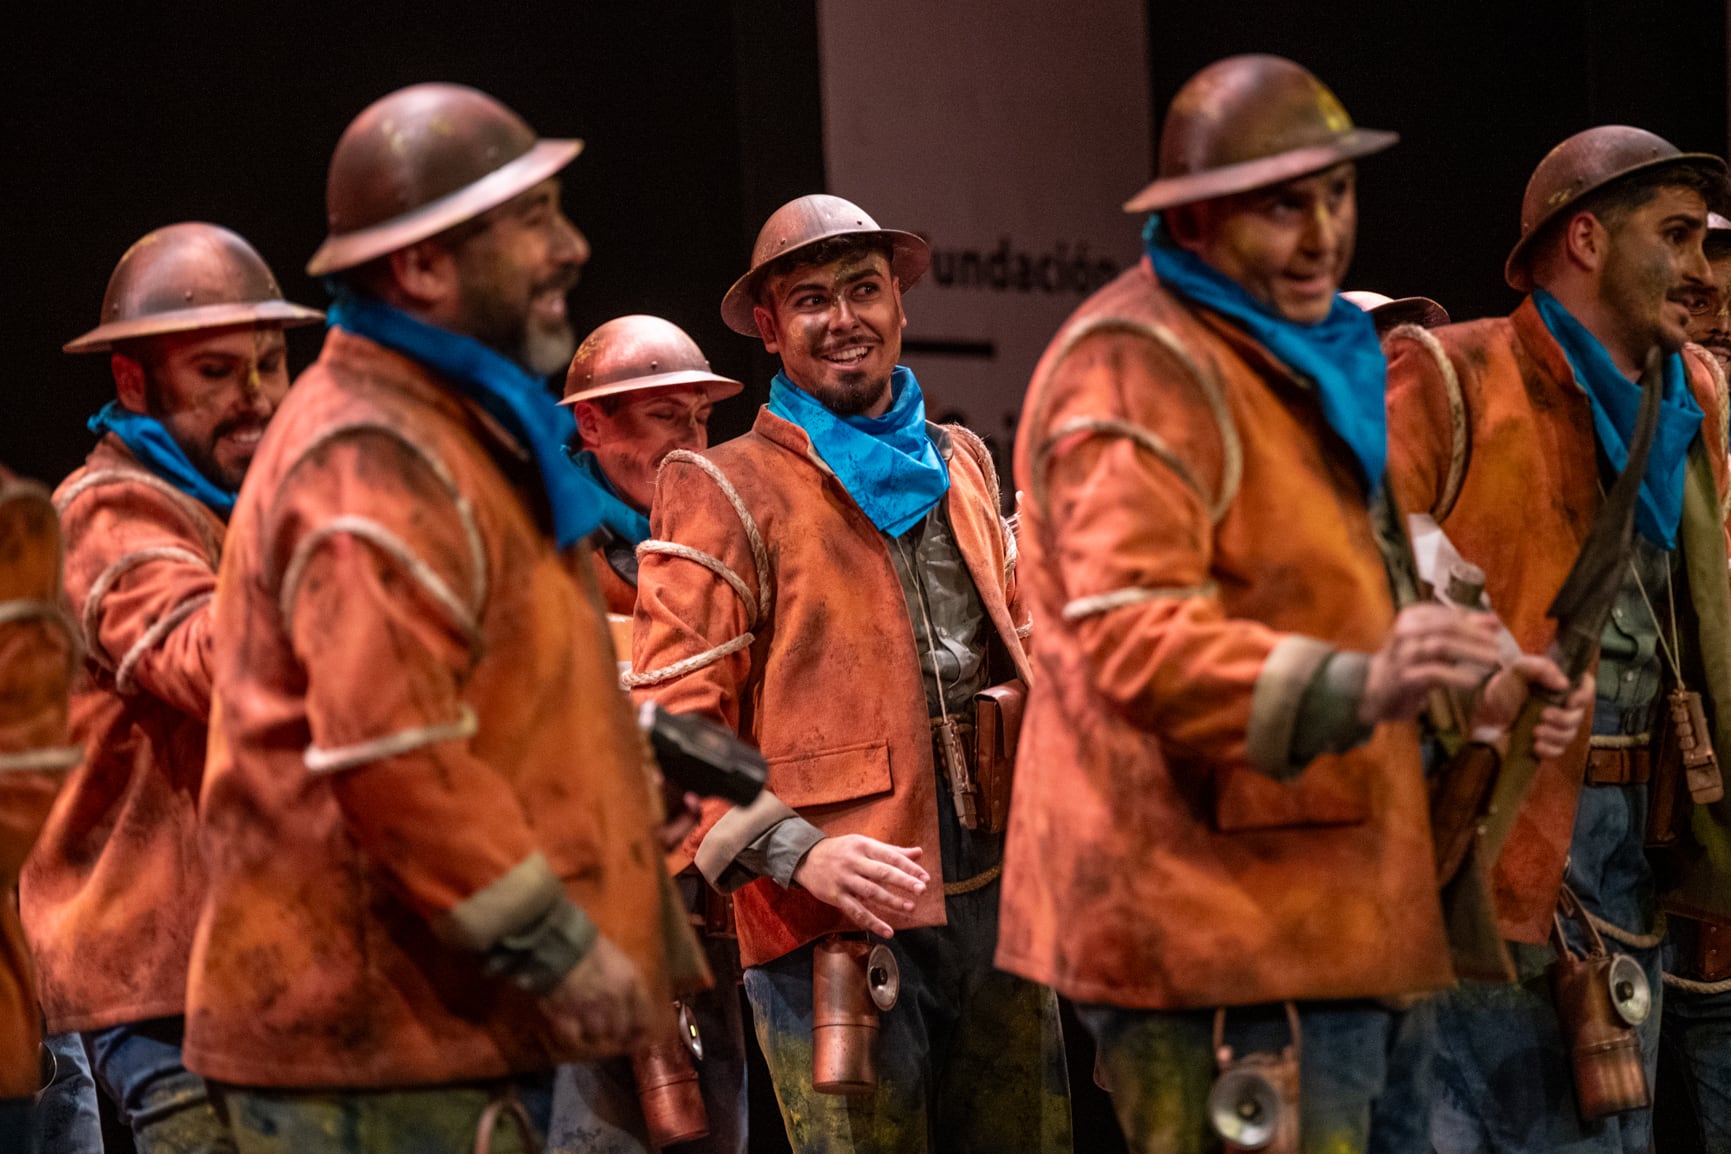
(1323, 795)
(832, 776)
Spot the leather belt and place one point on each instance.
(1619, 760)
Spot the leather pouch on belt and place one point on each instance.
(1712, 952)
(997, 725)
(1664, 790)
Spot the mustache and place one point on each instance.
(561, 282)
(235, 424)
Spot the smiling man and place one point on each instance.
(1219, 834)
(1508, 431)
(192, 322)
(838, 586)
(434, 870)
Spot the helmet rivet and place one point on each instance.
(654, 365)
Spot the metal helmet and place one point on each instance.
(629, 354)
(420, 160)
(804, 222)
(1584, 163)
(1392, 312)
(1247, 122)
(184, 277)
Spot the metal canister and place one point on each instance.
(851, 983)
(667, 1084)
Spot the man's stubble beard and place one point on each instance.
(849, 399)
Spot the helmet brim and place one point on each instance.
(351, 249)
(910, 257)
(1192, 187)
(282, 314)
(716, 387)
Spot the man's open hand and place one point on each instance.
(864, 878)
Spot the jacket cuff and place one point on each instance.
(539, 956)
(519, 899)
(765, 839)
(737, 829)
(1327, 719)
(1275, 701)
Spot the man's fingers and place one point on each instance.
(899, 857)
(869, 892)
(865, 919)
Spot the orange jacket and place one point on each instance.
(1196, 544)
(418, 743)
(827, 683)
(111, 895)
(1490, 434)
(38, 653)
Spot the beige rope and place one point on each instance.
(1691, 986)
(153, 637)
(435, 466)
(1130, 595)
(710, 562)
(1624, 937)
(759, 553)
(977, 882)
(688, 665)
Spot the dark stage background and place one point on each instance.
(701, 118)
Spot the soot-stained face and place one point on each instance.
(1287, 245)
(214, 390)
(838, 330)
(632, 440)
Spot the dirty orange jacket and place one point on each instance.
(38, 653)
(418, 744)
(1490, 434)
(1196, 544)
(773, 561)
(112, 893)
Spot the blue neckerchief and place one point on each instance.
(158, 451)
(1340, 355)
(1616, 400)
(888, 464)
(615, 513)
(501, 387)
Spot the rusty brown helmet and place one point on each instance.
(804, 222)
(1584, 163)
(1247, 122)
(184, 277)
(1391, 312)
(420, 160)
(630, 354)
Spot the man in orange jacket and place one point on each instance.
(837, 586)
(192, 322)
(1507, 431)
(638, 389)
(1219, 842)
(38, 654)
(428, 822)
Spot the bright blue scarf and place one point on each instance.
(1340, 355)
(501, 387)
(888, 464)
(158, 451)
(1616, 400)
(615, 513)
